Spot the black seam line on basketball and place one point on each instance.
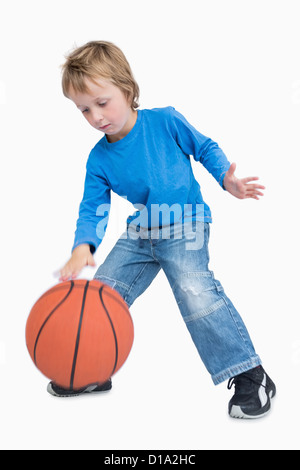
(110, 294)
(112, 327)
(63, 286)
(56, 288)
(49, 316)
(78, 336)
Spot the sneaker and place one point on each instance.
(253, 393)
(57, 391)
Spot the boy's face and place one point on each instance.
(106, 108)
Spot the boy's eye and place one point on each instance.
(85, 111)
(103, 103)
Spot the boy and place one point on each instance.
(145, 156)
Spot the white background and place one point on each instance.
(232, 68)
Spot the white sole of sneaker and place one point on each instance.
(88, 390)
(236, 411)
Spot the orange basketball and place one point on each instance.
(79, 333)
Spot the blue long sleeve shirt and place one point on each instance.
(151, 167)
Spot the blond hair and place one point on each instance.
(95, 61)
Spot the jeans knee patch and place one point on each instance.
(197, 294)
(205, 311)
(198, 282)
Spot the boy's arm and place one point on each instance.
(202, 148)
(207, 152)
(91, 224)
(93, 211)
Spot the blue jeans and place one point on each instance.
(216, 327)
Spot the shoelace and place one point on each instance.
(243, 379)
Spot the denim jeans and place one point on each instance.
(216, 327)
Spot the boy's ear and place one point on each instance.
(129, 98)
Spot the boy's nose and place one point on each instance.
(97, 118)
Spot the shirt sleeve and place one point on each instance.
(94, 209)
(202, 148)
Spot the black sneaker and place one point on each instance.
(253, 393)
(57, 391)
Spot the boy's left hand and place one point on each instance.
(240, 187)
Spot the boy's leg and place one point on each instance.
(215, 325)
(129, 268)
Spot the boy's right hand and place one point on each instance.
(81, 257)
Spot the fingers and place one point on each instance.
(254, 195)
(70, 271)
(252, 187)
(67, 274)
(74, 266)
(253, 192)
(249, 178)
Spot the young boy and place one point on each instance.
(145, 157)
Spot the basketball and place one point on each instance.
(79, 333)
